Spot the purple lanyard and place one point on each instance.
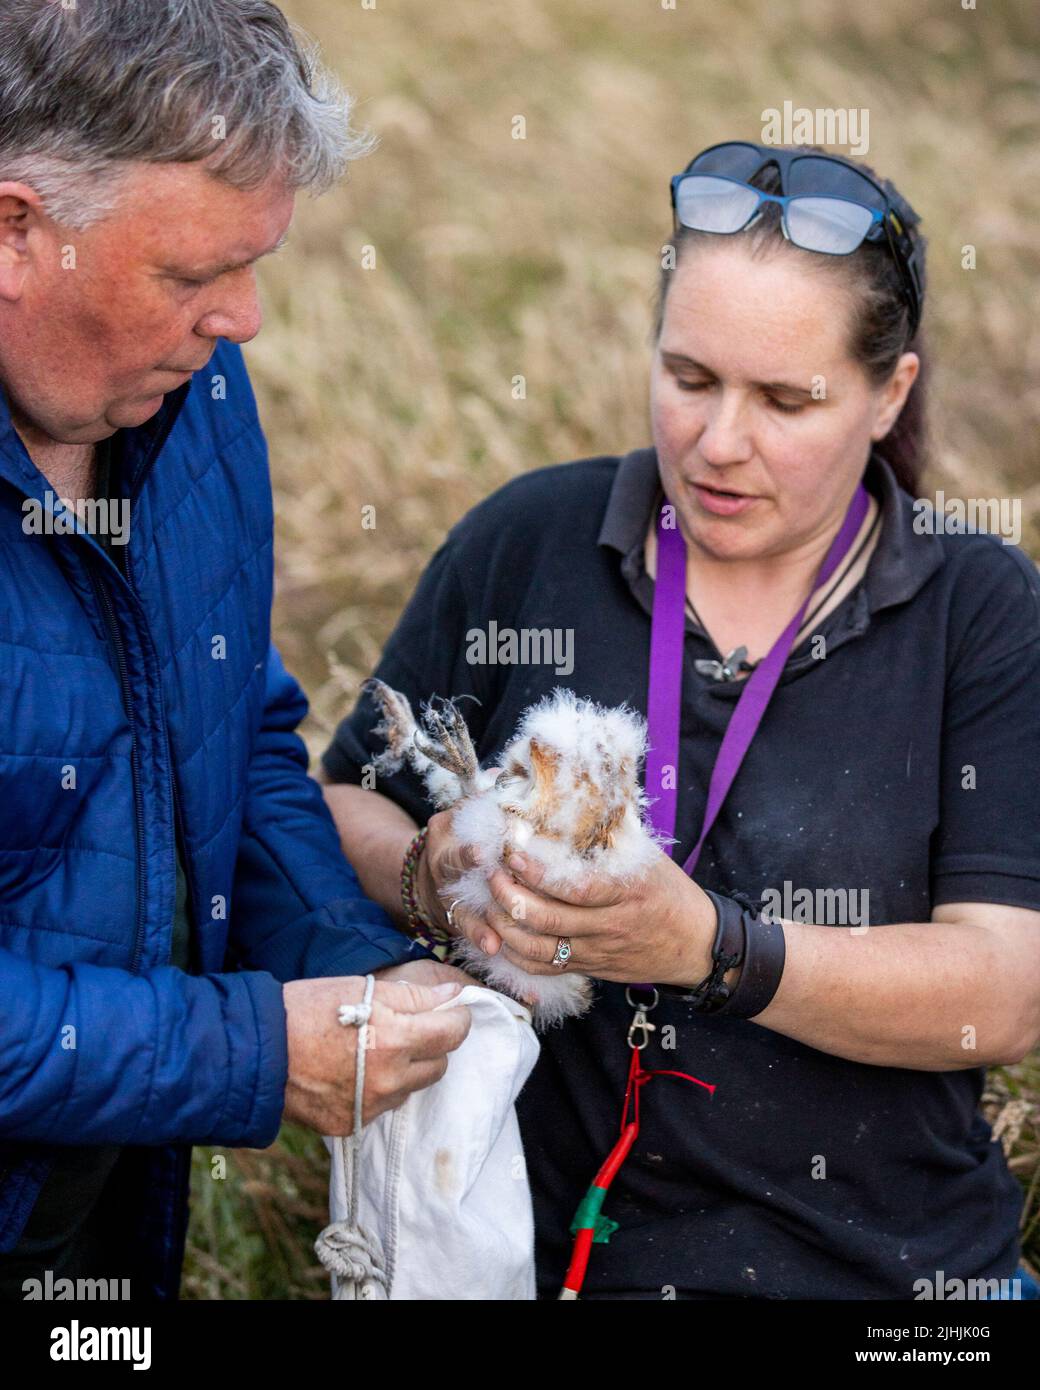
(667, 632)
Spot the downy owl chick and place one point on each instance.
(567, 793)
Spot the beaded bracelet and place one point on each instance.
(426, 933)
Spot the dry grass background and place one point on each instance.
(392, 386)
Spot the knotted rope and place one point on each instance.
(353, 1256)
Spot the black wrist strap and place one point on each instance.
(744, 938)
(727, 951)
(763, 967)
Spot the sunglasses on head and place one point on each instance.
(825, 204)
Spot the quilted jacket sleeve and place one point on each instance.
(96, 1055)
(298, 909)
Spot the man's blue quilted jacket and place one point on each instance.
(131, 712)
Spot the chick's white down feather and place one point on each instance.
(568, 794)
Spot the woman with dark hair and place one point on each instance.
(842, 701)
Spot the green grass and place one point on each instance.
(253, 1230)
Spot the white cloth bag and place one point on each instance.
(442, 1179)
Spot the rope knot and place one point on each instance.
(351, 1253)
(354, 1015)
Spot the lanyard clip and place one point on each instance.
(640, 1028)
(639, 1025)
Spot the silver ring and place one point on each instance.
(563, 952)
(451, 920)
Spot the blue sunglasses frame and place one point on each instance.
(872, 233)
(885, 221)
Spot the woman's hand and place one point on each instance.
(659, 930)
(443, 860)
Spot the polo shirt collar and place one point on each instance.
(903, 560)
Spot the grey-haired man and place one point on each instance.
(177, 922)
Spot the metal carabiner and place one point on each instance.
(639, 1024)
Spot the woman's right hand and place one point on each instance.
(443, 860)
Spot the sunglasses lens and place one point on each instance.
(808, 174)
(827, 224)
(736, 160)
(713, 205)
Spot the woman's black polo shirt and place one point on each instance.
(905, 764)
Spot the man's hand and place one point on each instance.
(428, 972)
(407, 1047)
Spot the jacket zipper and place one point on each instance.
(180, 853)
(105, 600)
(177, 830)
